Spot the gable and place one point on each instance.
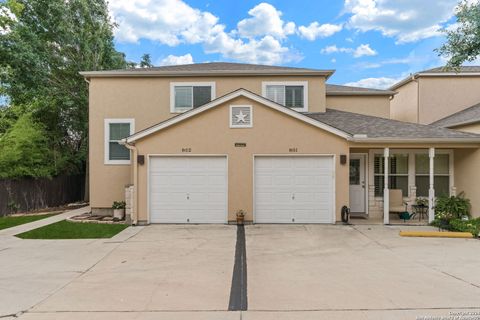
(229, 98)
(210, 132)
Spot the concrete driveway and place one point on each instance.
(293, 272)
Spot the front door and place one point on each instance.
(357, 183)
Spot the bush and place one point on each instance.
(454, 207)
(472, 226)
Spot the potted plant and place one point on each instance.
(118, 209)
(240, 217)
(450, 208)
(421, 201)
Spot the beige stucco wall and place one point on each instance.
(404, 105)
(473, 128)
(378, 106)
(467, 176)
(272, 133)
(147, 100)
(442, 96)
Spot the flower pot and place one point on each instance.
(240, 220)
(119, 213)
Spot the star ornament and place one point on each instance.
(241, 117)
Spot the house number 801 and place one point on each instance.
(186, 149)
(293, 150)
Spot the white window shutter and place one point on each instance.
(276, 93)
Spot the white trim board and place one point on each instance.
(106, 140)
(226, 98)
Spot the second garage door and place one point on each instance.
(188, 189)
(294, 189)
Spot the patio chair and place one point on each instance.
(396, 203)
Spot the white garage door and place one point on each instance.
(294, 189)
(188, 189)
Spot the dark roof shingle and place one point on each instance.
(375, 127)
(334, 89)
(469, 115)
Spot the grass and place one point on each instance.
(8, 222)
(73, 230)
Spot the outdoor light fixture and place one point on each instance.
(343, 159)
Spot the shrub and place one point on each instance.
(454, 207)
(472, 226)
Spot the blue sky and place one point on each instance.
(369, 42)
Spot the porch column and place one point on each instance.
(431, 190)
(386, 194)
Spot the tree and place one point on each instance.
(463, 41)
(146, 61)
(48, 42)
(24, 151)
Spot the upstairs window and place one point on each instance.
(116, 130)
(185, 96)
(290, 94)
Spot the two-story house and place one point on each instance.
(196, 143)
(430, 96)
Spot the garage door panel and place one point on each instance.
(188, 189)
(294, 189)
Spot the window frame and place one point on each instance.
(411, 165)
(107, 140)
(304, 84)
(210, 84)
(434, 174)
(392, 174)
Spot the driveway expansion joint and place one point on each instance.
(238, 291)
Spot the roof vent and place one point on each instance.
(241, 116)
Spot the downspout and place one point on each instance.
(133, 148)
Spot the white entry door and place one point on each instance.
(188, 189)
(295, 189)
(357, 183)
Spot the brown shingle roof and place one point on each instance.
(381, 128)
(469, 115)
(211, 68)
(335, 89)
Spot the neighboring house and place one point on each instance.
(196, 143)
(431, 95)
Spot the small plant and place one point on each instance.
(421, 201)
(240, 216)
(454, 207)
(13, 207)
(119, 205)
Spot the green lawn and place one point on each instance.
(73, 230)
(8, 222)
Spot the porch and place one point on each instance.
(385, 183)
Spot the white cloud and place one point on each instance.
(315, 30)
(173, 22)
(364, 50)
(174, 60)
(265, 20)
(8, 16)
(377, 83)
(406, 20)
(360, 51)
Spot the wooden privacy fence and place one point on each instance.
(32, 194)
